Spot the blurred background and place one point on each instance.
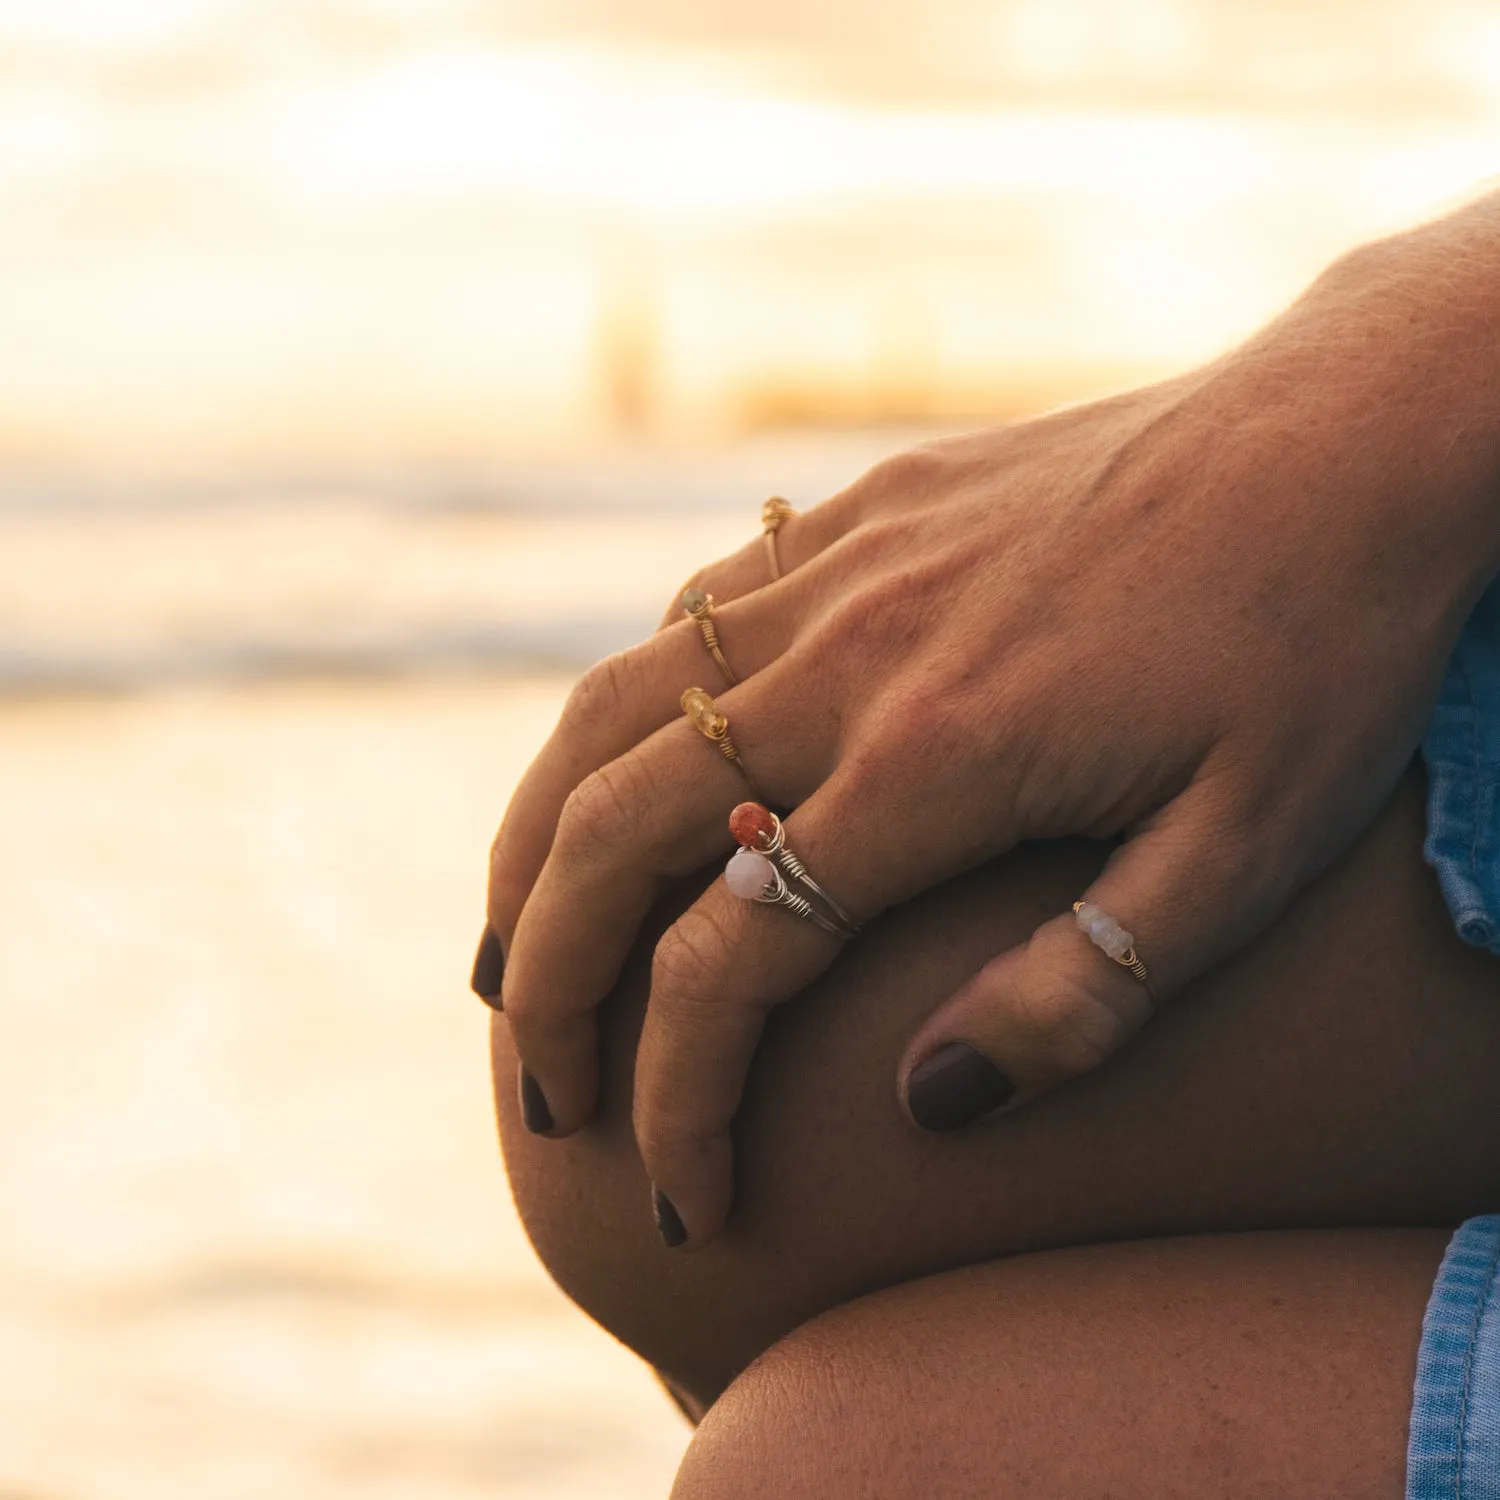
(367, 368)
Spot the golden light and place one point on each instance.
(420, 234)
(367, 368)
(105, 26)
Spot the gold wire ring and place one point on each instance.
(699, 606)
(772, 514)
(702, 713)
(1128, 958)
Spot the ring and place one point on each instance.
(758, 830)
(752, 877)
(704, 716)
(1106, 934)
(699, 606)
(772, 514)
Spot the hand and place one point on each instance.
(1207, 618)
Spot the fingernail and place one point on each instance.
(489, 970)
(534, 1109)
(668, 1221)
(954, 1087)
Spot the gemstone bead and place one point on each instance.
(1104, 932)
(1086, 913)
(752, 825)
(694, 600)
(698, 705)
(774, 512)
(749, 875)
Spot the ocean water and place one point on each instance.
(541, 567)
(254, 1234)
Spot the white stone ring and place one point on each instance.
(1107, 935)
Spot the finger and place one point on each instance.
(895, 485)
(716, 975)
(1187, 890)
(799, 539)
(649, 817)
(726, 963)
(618, 703)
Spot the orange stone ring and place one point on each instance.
(762, 839)
(699, 606)
(703, 714)
(772, 514)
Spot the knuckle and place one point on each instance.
(929, 719)
(1069, 1027)
(691, 958)
(872, 547)
(1257, 839)
(603, 810)
(874, 765)
(903, 729)
(675, 1127)
(877, 613)
(661, 1132)
(909, 477)
(600, 692)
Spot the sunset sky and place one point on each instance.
(348, 231)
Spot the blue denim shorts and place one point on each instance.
(1453, 1452)
(1462, 751)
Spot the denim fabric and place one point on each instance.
(1453, 1452)
(1462, 751)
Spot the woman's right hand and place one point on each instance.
(1207, 618)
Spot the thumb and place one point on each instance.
(1180, 893)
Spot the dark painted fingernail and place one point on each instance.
(954, 1087)
(534, 1109)
(489, 970)
(668, 1221)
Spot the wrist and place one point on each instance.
(1420, 312)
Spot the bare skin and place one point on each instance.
(1207, 619)
(1241, 1367)
(1339, 1071)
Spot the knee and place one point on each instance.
(826, 1416)
(790, 1427)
